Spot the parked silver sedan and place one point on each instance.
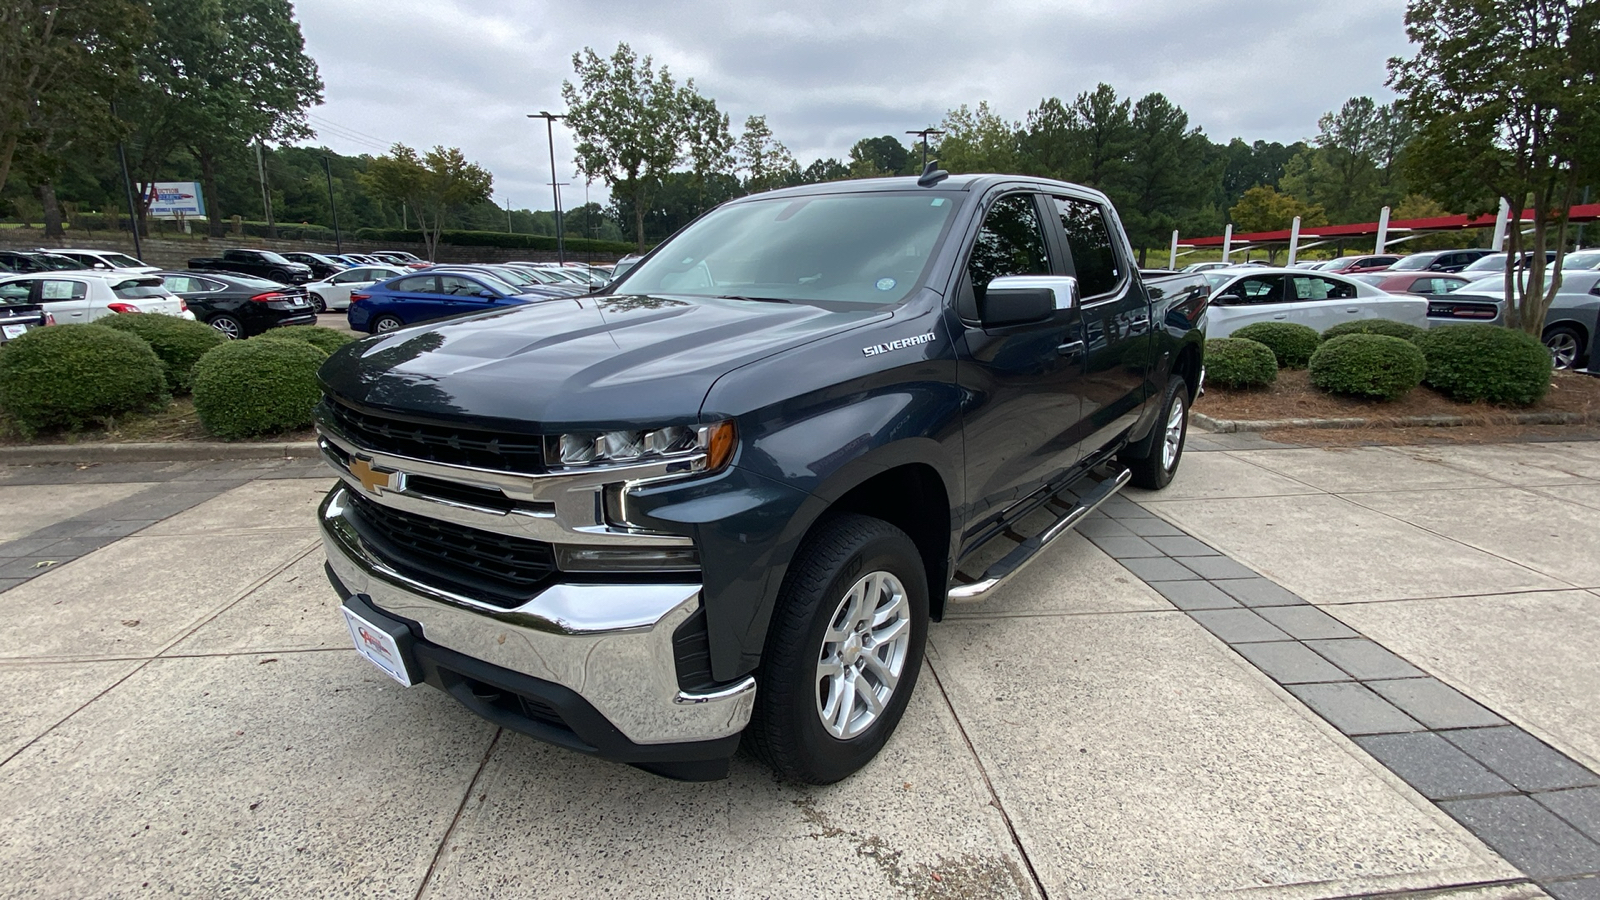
(1569, 324)
(1245, 296)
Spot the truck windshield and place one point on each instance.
(870, 248)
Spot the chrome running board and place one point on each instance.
(1029, 550)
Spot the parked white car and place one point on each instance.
(333, 292)
(108, 261)
(75, 298)
(1245, 296)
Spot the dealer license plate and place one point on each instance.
(13, 331)
(377, 646)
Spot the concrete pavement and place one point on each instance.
(1162, 707)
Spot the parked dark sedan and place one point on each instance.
(24, 262)
(1440, 260)
(17, 315)
(429, 295)
(321, 266)
(240, 306)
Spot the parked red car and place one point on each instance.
(1414, 282)
(1353, 265)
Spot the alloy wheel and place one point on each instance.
(1172, 441)
(863, 654)
(1563, 349)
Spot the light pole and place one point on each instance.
(555, 190)
(924, 135)
(338, 243)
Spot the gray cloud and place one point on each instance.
(829, 72)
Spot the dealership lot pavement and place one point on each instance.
(1296, 673)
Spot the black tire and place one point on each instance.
(317, 303)
(1154, 467)
(1566, 345)
(385, 323)
(786, 729)
(227, 326)
(280, 276)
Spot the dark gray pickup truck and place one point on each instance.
(723, 499)
(260, 263)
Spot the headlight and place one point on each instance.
(703, 447)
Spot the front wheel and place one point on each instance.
(318, 304)
(843, 651)
(1153, 470)
(1565, 345)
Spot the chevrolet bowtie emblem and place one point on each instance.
(374, 480)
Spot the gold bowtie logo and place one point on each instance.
(372, 479)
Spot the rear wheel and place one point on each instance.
(228, 326)
(1565, 345)
(1153, 470)
(843, 651)
(386, 323)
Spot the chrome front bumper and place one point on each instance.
(609, 643)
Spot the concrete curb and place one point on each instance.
(1225, 426)
(154, 452)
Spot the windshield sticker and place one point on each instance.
(937, 201)
(901, 344)
(885, 284)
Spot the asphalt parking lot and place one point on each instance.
(1295, 673)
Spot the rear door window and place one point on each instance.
(421, 284)
(1258, 289)
(54, 291)
(1094, 256)
(1313, 287)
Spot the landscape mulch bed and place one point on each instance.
(1293, 397)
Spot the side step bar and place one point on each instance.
(1029, 550)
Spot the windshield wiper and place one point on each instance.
(753, 299)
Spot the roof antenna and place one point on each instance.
(931, 174)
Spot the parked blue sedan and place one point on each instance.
(424, 296)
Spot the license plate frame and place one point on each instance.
(14, 331)
(378, 646)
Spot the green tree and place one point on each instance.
(217, 75)
(1262, 208)
(821, 170)
(1507, 100)
(1352, 169)
(764, 160)
(433, 186)
(635, 124)
(59, 60)
(979, 141)
(878, 157)
(1100, 137)
(1168, 174)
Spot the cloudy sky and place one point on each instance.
(828, 72)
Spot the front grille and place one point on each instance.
(444, 444)
(495, 568)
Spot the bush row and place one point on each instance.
(1380, 359)
(69, 376)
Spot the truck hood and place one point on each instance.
(583, 363)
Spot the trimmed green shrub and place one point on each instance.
(70, 375)
(248, 388)
(1367, 365)
(325, 339)
(1486, 362)
(179, 343)
(1240, 363)
(1387, 327)
(1292, 344)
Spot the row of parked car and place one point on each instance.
(1424, 289)
(247, 292)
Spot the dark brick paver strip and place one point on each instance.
(1529, 802)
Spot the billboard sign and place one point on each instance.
(175, 200)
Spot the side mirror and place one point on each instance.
(1025, 299)
(488, 294)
